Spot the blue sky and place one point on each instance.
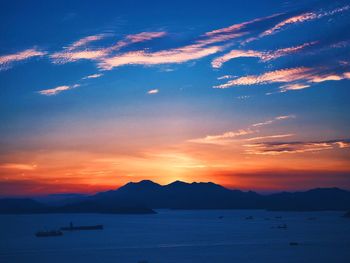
(128, 81)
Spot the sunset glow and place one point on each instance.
(250, 100)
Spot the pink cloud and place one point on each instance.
(295, 86)
(7, 60)
(238, 27)
(177, 55)
(310, 75)
(309, 16)
(86, 40)
(71, 56)
(55, 91)
(282, 75)
(75, 52)
(263, 55)
(144, 36)
(153, 91)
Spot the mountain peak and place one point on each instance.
(177, 183)
(144, 184)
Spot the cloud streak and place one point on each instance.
(6, 61)
(222, 139)
(153, 91)
(93, 76)
(59, 89)
(308, 16)
(277, 148)
(290, 75)
(172, 56)
(278, 118)
(263, 55)
(78, 50)
(227, 137)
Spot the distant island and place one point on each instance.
(144, 196)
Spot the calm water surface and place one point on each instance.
(180, 236)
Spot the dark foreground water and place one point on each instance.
(180, 236)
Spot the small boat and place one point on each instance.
(284, 226)
(51, 233)
(71, 227)
(249, 218)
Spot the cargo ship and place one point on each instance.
(51, 233)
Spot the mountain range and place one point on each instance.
(144, 196)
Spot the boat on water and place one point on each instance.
(71, 227)
(51, 233)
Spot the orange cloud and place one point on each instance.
(18, 166)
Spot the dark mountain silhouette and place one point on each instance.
(180, 195)
(20, 206)
(146, 195)
(315, 199)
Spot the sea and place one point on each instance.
(187, 236)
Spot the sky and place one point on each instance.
(252, 95)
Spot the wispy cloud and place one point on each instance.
(277, 136)
(141, 37)
(295, 86)
(237, 28)
(227, 137)
(222, 139)
(153, 91)
(93, 76)
(276, 148)
(278, 76)
(218, 62)
(86, 40)
(278, 118)
(55, 91)
(71, 56)
(308, 16)
(6, 61)
(291, 75)
(263, 55)
(79, 50)
(172, 56)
